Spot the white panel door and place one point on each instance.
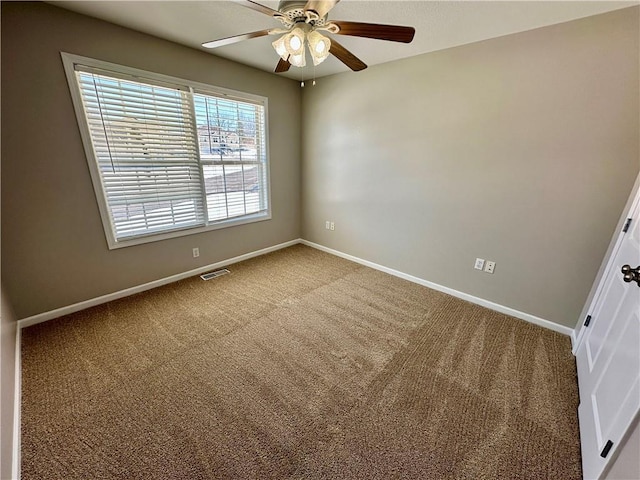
(609, 359)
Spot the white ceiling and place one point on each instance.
(438, 24)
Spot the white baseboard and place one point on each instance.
(464, 296)
(43, 317)
(17, 404)
(59, 312)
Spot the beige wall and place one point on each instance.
(7, 380)
(521, 150)
(54, 251)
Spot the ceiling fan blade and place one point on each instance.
(283, 66)
(257, 7)
(346, 57)
(321, 7)
(393, 33)
(235, 39)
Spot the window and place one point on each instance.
(168, 157)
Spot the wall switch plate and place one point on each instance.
(333, 227)
(479, 264)
(196, 252)
(489, 267)
(327, 224)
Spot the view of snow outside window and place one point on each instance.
(230, 154)
(158, 169)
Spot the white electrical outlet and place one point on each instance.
(196, 252)
(327, 224)
(479, 264)
(333, 227)
(489, 266)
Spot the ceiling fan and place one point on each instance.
(302, 21)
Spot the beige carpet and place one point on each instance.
(297, 365)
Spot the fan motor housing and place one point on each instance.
(287, 5)
(294, 11)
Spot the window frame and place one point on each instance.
(71, 60)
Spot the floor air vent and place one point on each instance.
(217, 273)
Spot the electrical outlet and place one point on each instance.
(196, 252)
(489, 266)
(327, 224)
(479, 265)
(333, 227)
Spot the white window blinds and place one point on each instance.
(169, 159)
(232, 152)
(143, 139)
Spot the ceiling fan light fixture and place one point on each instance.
(298, 60)
(280, 49)
(294, 41)
(319, 46)
(291, 46)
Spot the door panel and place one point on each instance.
(609, 359)
(602, 330)
(613, 386)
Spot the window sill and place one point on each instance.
(156, 237)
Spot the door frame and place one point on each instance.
(577, 336)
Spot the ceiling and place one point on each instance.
(438, 24)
